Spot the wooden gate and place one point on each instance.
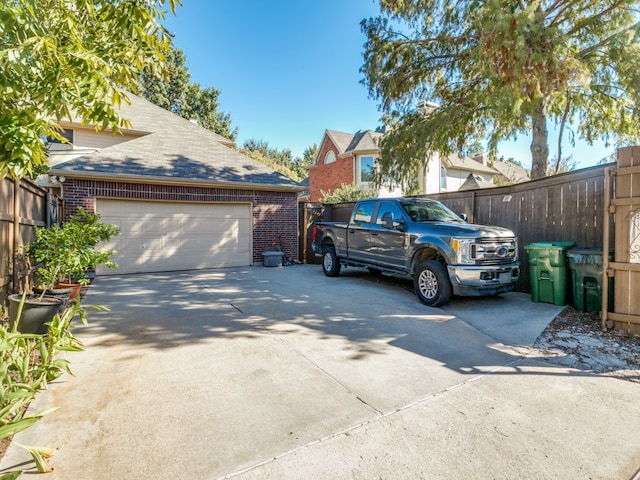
(624, 206)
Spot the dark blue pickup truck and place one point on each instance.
(425, 240)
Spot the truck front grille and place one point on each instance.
(494, 251)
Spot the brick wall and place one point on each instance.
(275, 214)
(329, 177)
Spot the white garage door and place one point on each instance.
(159, 237)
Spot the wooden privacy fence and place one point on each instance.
(23, 205)
(567, 208)
(563, 208)
(623, 210)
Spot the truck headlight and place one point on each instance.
(462, 247)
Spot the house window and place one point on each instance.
(330, 157)
(443, 178)
(366, 169)
(67, 133)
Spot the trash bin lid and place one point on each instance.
(550, 246)
(587, 255)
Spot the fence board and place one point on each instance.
(28, 207)
(626, 274)
(566, 207)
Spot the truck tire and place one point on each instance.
(431, 283)
(330, 262)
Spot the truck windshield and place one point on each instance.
(424, 210)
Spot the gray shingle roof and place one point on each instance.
(464, 163)
(474, 182)
(512, 172)
(362, 140)
(173, 148)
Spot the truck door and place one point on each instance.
(388, 244)
(359, 231)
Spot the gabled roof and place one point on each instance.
(172, 149)
(349, 143)
(511, 171)
(456, 162)
(473, 182)
(363, 140)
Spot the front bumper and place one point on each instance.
(483, 280)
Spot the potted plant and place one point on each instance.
(63, 255)
(67, 252)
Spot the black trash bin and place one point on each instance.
(585, 265)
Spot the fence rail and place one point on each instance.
(23, 205)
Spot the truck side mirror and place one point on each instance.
(463, 216)
(387, 220)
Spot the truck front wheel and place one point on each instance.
(431, 283)
(330, 262)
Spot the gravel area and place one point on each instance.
(575, 339)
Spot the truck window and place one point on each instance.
(388, 208)
(363, 213)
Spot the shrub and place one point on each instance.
(348, 193)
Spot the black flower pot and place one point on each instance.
(36, 312)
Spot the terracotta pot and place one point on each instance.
(73, 286)
(36, 312)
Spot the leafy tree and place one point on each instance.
(500, 68)
(64, 56)
(301, 165)
(280, 160)
(566, 164)
(348, 192)
(187, 99)
(257, 154)
(282, 157)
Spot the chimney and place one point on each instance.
(480, 158)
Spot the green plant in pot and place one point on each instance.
(67, 252)
(63, 254)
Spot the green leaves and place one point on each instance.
(59, 56)
(493, 67)
(69, 250)
(348, 193)
(28, 362)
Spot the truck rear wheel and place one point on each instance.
(431, 283)
(330, 262)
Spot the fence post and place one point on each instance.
(16, 235)
(605, 246)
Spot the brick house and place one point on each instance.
(345, 158)
(181, 195)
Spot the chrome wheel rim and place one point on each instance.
(328, 261)
(428, 284)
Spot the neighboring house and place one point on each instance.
(182, 197)
(345, 158)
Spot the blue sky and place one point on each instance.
(289, 69)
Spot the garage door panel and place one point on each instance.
(160, 236)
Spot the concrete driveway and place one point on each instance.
(284, 373)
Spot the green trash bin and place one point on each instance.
(585, 265)
(548, 271)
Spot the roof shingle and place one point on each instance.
(173, 148)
